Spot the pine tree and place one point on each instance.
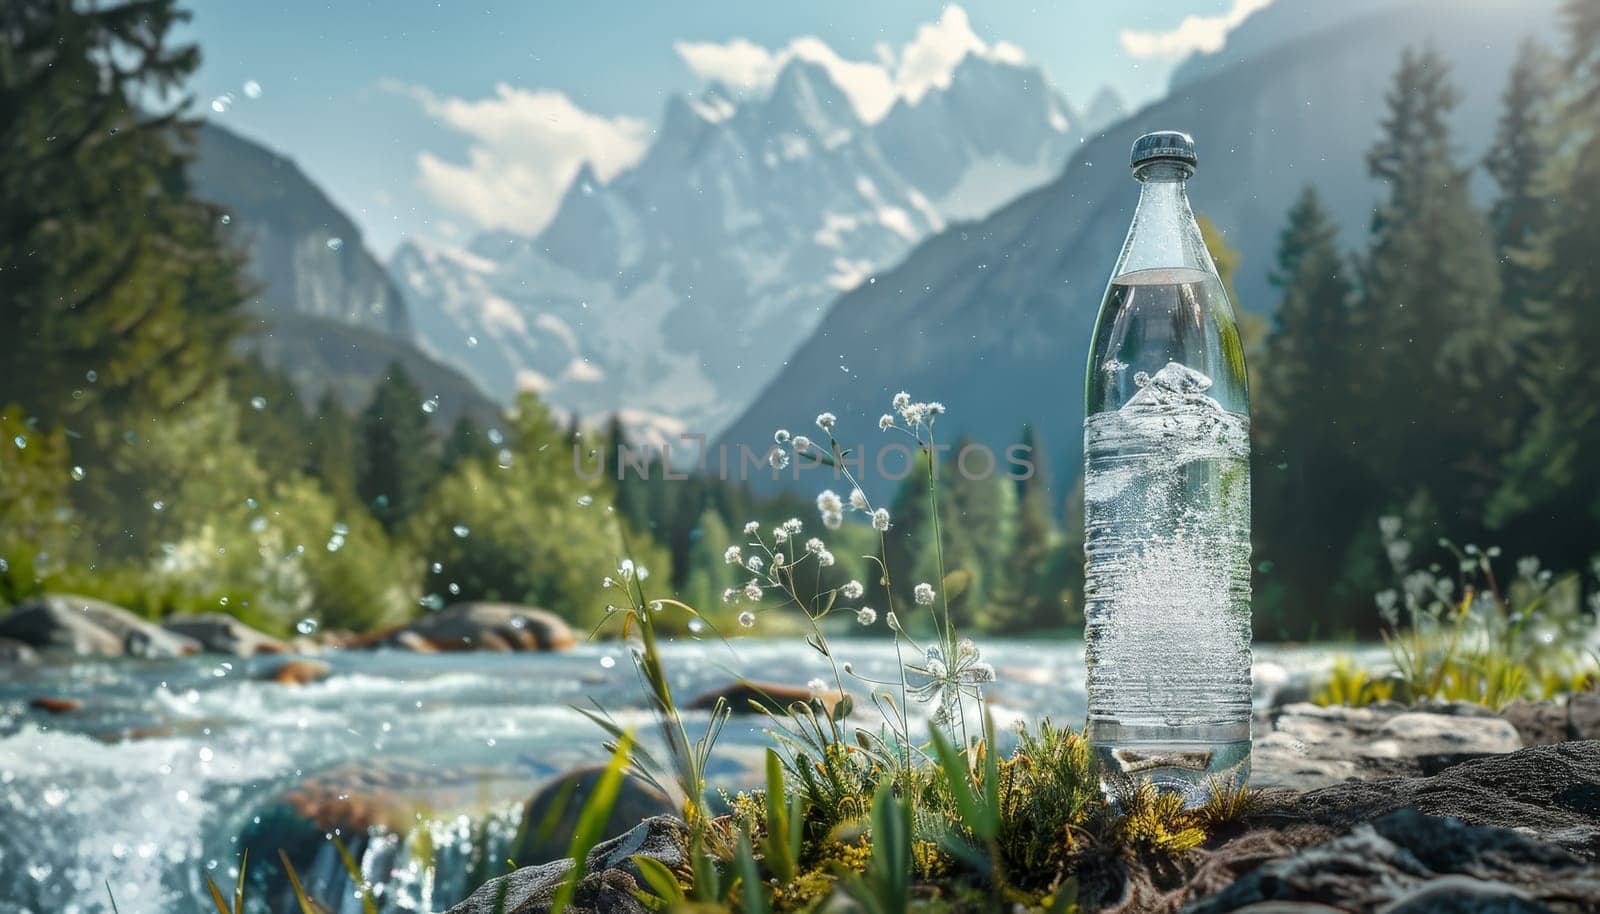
(1306, 472)
(707, 574)
(1517, 161)
(1029, 593)
(1437, 352)
(397, 461)
(118, 289)
(332, 458)
(466, 441)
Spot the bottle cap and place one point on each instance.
(1163, 146)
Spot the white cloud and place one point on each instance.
(873, 86)
(1194, 33)
(525, 147)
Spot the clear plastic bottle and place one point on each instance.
(1167, 502)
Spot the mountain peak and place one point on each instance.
(1105, 109)
(805, 97)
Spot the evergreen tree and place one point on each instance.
(332, 458)
(466, 441)
(707, 574)
(397, 461)
(1517, 161)
(118, 289)
(1437, 352)
(1029, 593)
(1306, 474)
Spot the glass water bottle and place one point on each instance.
(1167, 502)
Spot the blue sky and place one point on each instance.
(439, 120)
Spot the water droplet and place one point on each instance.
(608, 662)
(472, 341)
(436, 567)
(158, 505)
(252, 89)
(225, 219)
(455, 591)
(495, 437)
(258, 403)
(182, 796)
(306, 626)
(461, 530)
(430, 405)
(91, 376)
(222, 103)
(504, 458)
(587, 189)
(432, 601)
(335, 244)
(585, 501)
(54, 796)
(489, 742)
(341, 529)
(697, 625)
(206, 754)
(20, 441)
(77, 473)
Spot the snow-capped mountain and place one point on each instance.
(673, 292)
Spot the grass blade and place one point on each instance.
(112, 897)
(660, 879)
(368, 905)
(238, 891)
(216, 896)
(306, 905)
(592, 821)
(780, 855)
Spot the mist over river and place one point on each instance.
(172, 767)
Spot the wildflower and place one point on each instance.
(833, 520)
(1389, 526)
(793, 525)
(626, 569)
(825, 421)
(880, 519)
(866, 615)
(747, 619)
(828, 502)
(858, 499)
(777, 561)
(608, 582)
(852, 590)
(901, 400)
(780, 534)
(801, 443)
(732, 555)
(923, 594)
(731, 596)
(885, 422)
(816, 546)
(781, 436)
(825, 559)
(754, 563)
(778, 459)
(817, 686)
(752, 591)
(943, 683)
(1528, 567)
(751, 528)
(1386, 600)
(934, 409)
(642, 572)
(1399, 551)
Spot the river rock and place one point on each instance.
(488, 626)
(220, 633)
(1556, 720)
(637, 801)
(299, 671)
(90, 627)
(55, 705)
(1311, 746)
(664, 838)
(1410, 862)
(746, 696)
(14, 651)
(532, 889)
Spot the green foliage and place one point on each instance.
(592, 820)
(397, 448)
(1350, 685)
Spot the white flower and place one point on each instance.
(825, 559)
(801, 443)
(816, 546)
(923, 594)
(751, 528)
(833, 520)
(866, 615)
(780, 534)
(752, 591)
(935, 408)
(732, 555)
(642, 572)
(858, 499)
(626, 569)
(747, 619)
(828, 502)
(1528, 566)
(892, 620)
(944, 682)
(885, 422)
(825, 421)
(608, 582)
(792, 525)
(777, 560)
(1399, 551)
(901, 400)
(880, 519)
(754, 563)
(781, 436)
(852, 590)
(730, 596)
(778, 459)
(817, 686)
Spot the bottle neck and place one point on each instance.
(1164, 235)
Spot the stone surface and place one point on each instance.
(564, 797)
(299, 671)
(55, 705)
(743, 695)
(1543, 723)
(89, 627)
(665, 838)
(611, 879)
(1311, 746)
(220, 633)
(14, 651)
(1408, 861)
(485, 626)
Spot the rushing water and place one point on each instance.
(172, 767)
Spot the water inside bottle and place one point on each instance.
(1167, 538)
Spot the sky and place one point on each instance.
(442, 120)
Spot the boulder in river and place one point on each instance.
(51, 704)
(745, 696)
(14, 651)
(299, 671)
(89, 627)
(559, 801)
(611, 878)
(486, 626)
(220, 633)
